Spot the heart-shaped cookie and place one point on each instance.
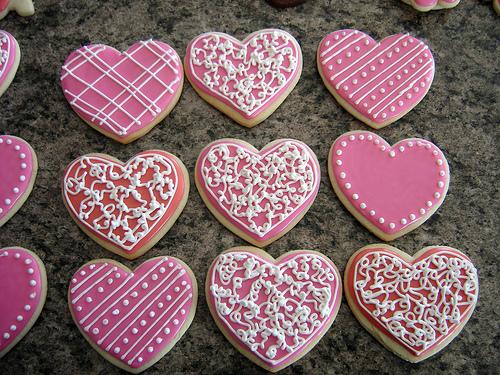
(22, 7)
(133, 318)
(258, 195)
(246, 80)
(378, 83)
(18, 168)
(273, 310)
(10, 56)
(426, 5)
(414, 306)
(123, 94)
(22, 294)
(126, 207)
(391, 190)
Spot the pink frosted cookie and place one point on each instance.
(10, 56)
(426, 5)
(133, 318)
(126, 207)
(391, 190)
(273, 310)
(258, 195)
(22, 7)
(378, 83)
(22, 294)
(123, 94)
(414, 306)
(18, 168)
(246, 80)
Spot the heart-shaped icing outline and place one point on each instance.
(261, 113)
(412, 223)
(382, 336)
(121, 56)
(12, 63)
(160, 232)
(24, 196)
(268, 258)
(41, 303)
(437, 6)
(216, 210)
(186, 325)
(343, 102)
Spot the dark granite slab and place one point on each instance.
(460, 114)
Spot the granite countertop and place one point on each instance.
(460, 115)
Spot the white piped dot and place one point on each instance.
(403, 221)
(381, 220)
(362, 205)
(372, 213)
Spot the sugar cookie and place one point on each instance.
(426, 5)
(10, 55)
(22, 7)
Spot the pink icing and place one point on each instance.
(4, 4)
(249, 295)
(125, 204)
(433, 3)
(21, 293)
(259, 192)
(17, 173)
(417, 304)
(247, 76)
(122, 93)
(8, 54)
(392, 187)
(380, 81)
(133, 317)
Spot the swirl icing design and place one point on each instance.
(273, 309)
(260, 193)
(419, 303)
(126, 205)
(390, 189)
(134, 317)
(22, 294)
(377, 82)
(426, 5)
(121, 94)
(18, 168)
(246, 76)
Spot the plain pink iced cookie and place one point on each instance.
(133, 318)
(9, 59)
(414, 306)
(426, 5)
(273, 310)
(246, 79)
(391, 190)
(126, 207)
(18, 168)
(123, 94)
(22, 7)
(377, 82)
(22, 294)
(259, 195)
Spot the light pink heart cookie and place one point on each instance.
(22, 7)
(273, 310)
(258, 195)
(22, 294)
(10, 56)
(378, 83)
(426, 5)
(391, 190)
(123, 94)
(246, 80)
(133, 318)
(126, 207)
(414, 306)
(18, 168)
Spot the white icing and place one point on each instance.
(417, 303)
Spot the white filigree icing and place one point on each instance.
(275, 310)
(418, 303)
(122, 203)
(250, 74)
(260, 191)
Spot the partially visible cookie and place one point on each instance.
(23, 284)
(22, 7)
(427, 5)
(10, 55)
(285, 3)
(496, 6)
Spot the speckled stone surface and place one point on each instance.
(460, 114)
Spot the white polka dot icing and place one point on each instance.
(18, 169)
(389, 189)
(23, 282)
(129, 318)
